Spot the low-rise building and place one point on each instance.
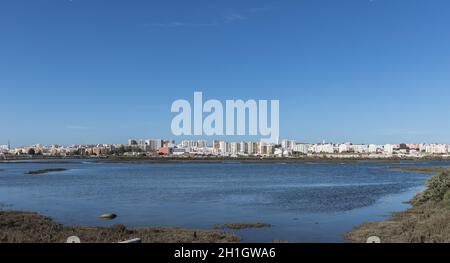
(165, 151)
(436, 149)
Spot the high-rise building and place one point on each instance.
(235, 147)
(389, 148)
(189, 144)
(287, 144)
(168, 143)
(154, 144)
(253, 147)
(243, 148)
(216, 144)
(261, 148)
(223, 147)
(269, 149)
(202, 144)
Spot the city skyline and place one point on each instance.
(372, 71)
(201, 148)
(210, 142)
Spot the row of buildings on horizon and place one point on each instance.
(201, 148)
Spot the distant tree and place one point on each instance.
(120, 150)
(31, 151)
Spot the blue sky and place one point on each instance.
(88, 71)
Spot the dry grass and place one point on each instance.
(27, 227)
(428, 221)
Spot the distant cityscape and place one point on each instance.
(201, 148)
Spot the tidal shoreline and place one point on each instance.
(30, 227)
(427, 221)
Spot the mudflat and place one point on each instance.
(29, 227)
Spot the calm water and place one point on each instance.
(304, 202)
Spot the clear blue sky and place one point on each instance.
(88, 71)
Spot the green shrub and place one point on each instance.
(437, 189)
(447, 196)
(446, 200)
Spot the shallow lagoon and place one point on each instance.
(305, 202)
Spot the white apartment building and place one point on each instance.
(185, 143)
(300, 148)
(322, 148)
(270, 149)
(389, 148)
(235, 147)
(243, 147)
(262, 148)
(216, 145)
(188, 143)
(252, 148)
(344, 148)
(265, 148)
(360, 148)
(4, 149)
(154, 144)
(288, 144)
(436, 149)
(325, 148)
(202, 144)
(223, 147)
(180, 151)
(373, 148)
